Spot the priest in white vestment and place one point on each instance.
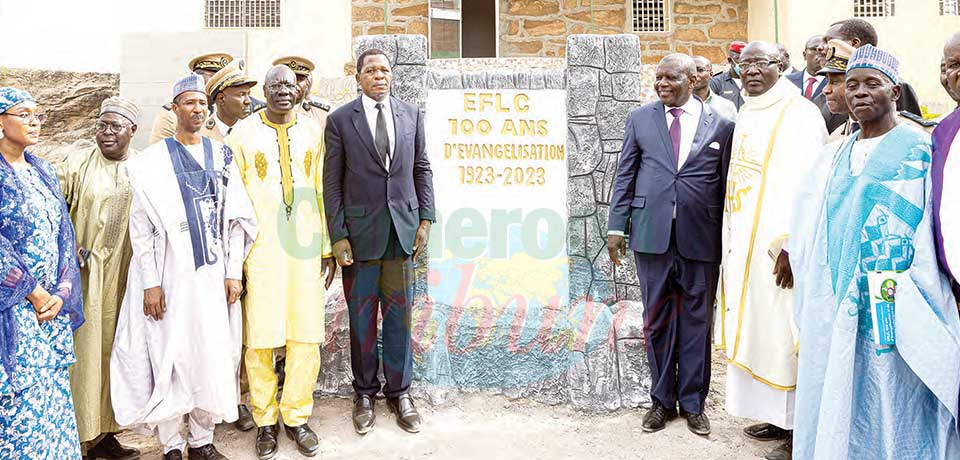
(177, 349)
(779, 136)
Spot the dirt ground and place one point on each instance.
(480, 426)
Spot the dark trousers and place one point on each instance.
(383, 286)
(678, 296)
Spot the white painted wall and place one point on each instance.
(87, 35)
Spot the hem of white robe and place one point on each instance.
(749, 398)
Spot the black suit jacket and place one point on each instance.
(362, 199)
(797, 79)
(648, 185)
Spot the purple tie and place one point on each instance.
(675, 132)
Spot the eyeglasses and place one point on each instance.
(277, 87)
(111, 128)
(759, 65)
(28, 117)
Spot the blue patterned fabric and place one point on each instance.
(37, 419)
(855, 401)
(10, 97)
(870, 57)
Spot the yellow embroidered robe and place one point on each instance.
(281, 166)
(98, 193)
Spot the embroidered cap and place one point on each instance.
(231, 75)
(871, 57)
(120, 106)
(210, 61)
(299, 65)
(838, 57)
(10, 96)
(192, 82)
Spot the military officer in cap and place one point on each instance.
(229, 90)
(307, 107)
(205, 65)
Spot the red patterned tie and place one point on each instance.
(808, 93)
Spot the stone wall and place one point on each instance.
(588, 354)
(72, 103)
(540, 27)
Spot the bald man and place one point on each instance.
(810, 83)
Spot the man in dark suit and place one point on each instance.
(378, 199)
(668, 196)
(810, 83)
(727, 84)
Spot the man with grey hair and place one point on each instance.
(672, 208)
(776, 142)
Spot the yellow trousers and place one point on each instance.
(302, 369)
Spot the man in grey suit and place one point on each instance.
(378, 199)
(668, 197)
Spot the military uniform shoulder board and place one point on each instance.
(918, 119)
(167, 106)
(314, 103)
(257, 106)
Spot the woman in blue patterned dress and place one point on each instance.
(40, 300)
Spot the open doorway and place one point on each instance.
(461, 29)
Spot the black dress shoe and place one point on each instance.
(110, 449)
(363, 414)
(656, 418)
(307, 441)
(173, 455)
(407, 416)
(267, 441)
(207, 452)
(783, 451)
(698, 424)
(244, 419)
(765, 432)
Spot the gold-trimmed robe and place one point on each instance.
(281, 166)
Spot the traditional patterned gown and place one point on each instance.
(37, 420)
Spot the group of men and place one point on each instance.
(810, 236)
(265, 199)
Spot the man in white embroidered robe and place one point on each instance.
(177, 349)
(779, 135)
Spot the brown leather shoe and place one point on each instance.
(244, 419)
(307, 441)
(407, 416)
(207, 452)
(765, 432)
(657, 417)
(363, 414)
(267, 441)
(110, 449)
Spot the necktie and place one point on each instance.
(808, 93)
(675, 133)
(383, 139)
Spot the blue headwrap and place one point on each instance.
(10, 97)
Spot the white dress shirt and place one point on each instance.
(688, 126)
(221, 126)
(370, 110)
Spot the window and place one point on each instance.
(949, 7)
(225, 14)
(872, 8)
(651, 16)
(463, 29)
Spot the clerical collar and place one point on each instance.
(775, 94)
